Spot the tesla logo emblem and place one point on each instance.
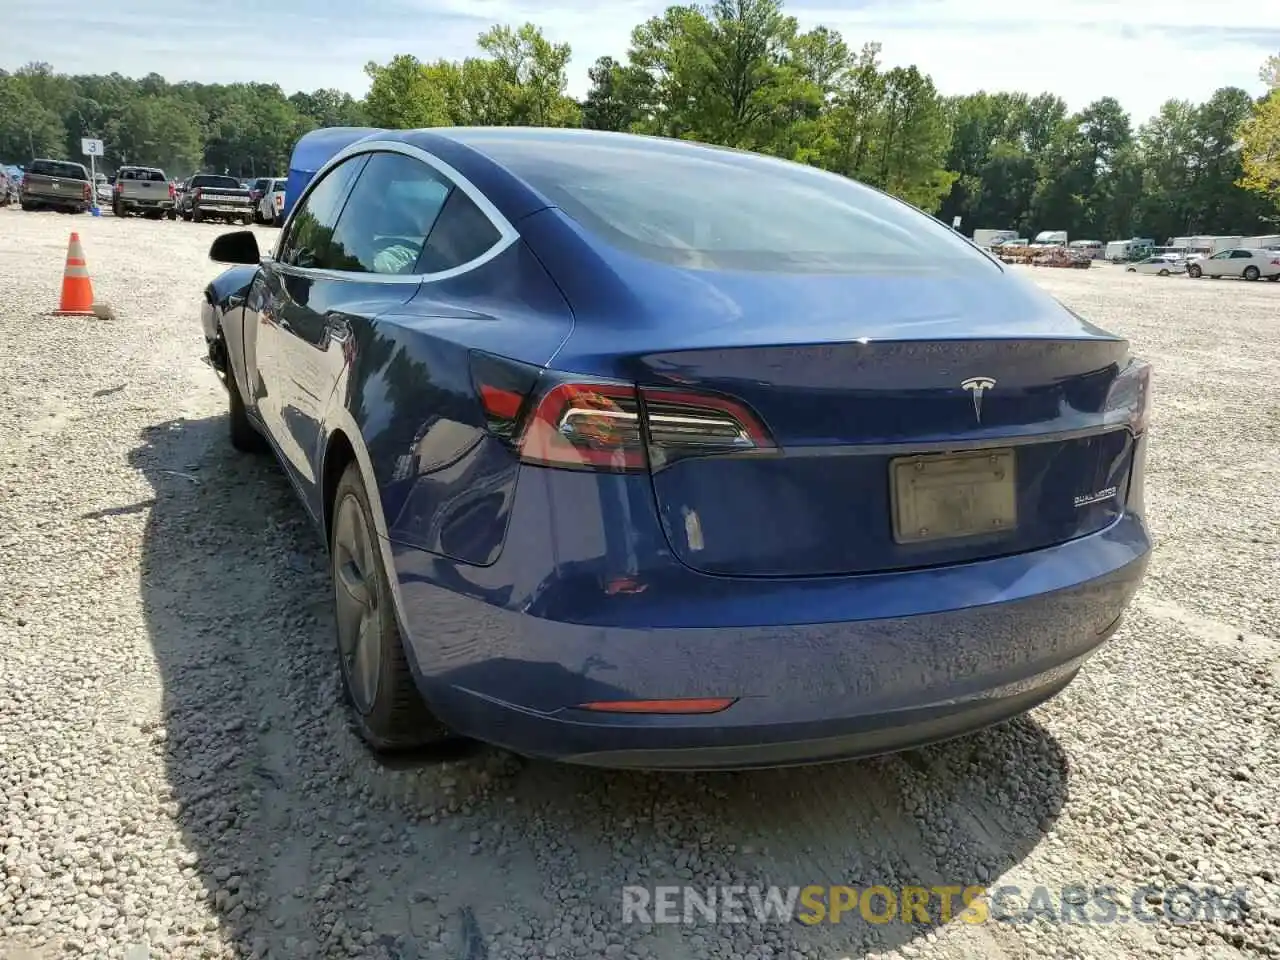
(978, 386)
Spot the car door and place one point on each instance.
(303, 248)
(369, 267)
(1217, 265)
(1240, 261)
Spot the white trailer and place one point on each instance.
(1266, 242)
(1207, 246)
(990, 238)
(1050, 238)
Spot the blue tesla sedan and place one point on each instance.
(643, 453)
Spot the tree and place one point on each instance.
(1260, 140)
(737, 73)
(402, 95)
(27, 127)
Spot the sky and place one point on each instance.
(1142, 52)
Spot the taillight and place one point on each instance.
(197, 193)
(119, 186)
(593, 424)
(1130, 395)
(279, 201)
(172, 192)
(88, 191)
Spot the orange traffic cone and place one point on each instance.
(77, 290)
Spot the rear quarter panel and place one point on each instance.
(443, 484)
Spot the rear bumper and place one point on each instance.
(822, 669)
(130, 203)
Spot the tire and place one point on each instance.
(186, 215)
(1252, 273)
(257, 216)
(243, 434)
(171, 214)
(117, 210)
(1164, 273)
(388, 711)
(246, 220)
(1131, 270)
(196, 216)
(27, 205)
(1194, 272)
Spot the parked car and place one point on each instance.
(636, 452)
(270, 209)
(256, 189)
(59, 184)
(208, 196)
(1161, 266)
(144, 190)
(1249, 263)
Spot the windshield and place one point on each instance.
(715, 209)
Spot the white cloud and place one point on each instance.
(1142, 51)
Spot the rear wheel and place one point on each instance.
(1131, 270)
(186, 215)
(1251, 273)
(27, 205)
(171, 214)
(1164, 273)
(246, 220)
(388, 710)
(196, 216)
(1194, 272)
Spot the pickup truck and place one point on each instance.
(60, 184)
(143, 190)
(208, 196)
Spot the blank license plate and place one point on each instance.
(953, 495)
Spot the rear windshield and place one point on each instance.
(278, 184)
(59, 168)
(705, 208)
(155, 176)
(212, 181)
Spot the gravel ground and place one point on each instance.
(177, 780)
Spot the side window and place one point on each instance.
(309, 240)
(392, 209)
(461, 234)
(1242, 255)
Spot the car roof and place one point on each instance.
(476, 152)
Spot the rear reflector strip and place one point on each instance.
(691, 706)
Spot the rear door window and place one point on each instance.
(461, 234)
(390, 213)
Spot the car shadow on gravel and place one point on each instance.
(299, 844)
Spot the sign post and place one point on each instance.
(92, 149)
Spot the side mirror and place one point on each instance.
(240, 246)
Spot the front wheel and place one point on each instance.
(196, 216)
(1251, 273)
(1194, 272)
(1164, 273)
(1131, 270)
(243, 434)
(171, 214)
(388, 710)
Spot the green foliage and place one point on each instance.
(738, 73)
